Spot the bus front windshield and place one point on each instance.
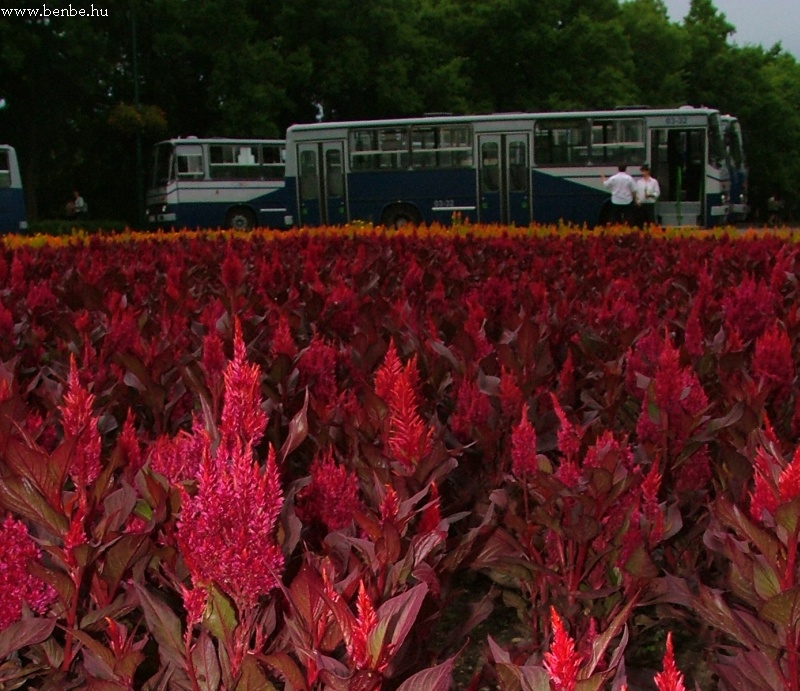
(162, 165)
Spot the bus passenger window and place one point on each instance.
(490, 166)
(5, 170)
(190, 165)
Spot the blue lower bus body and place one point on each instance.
(181, 209)
(445, 196)
(12, 210)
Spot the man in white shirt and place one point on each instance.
(623, 194)
(647, 193)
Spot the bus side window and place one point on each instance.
(490, 166)
(334, 173)
(5, 170)
(190, 162)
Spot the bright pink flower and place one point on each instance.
(473, 409)
(226, 532)
(332, 495)
(243, 421)
(670, 679)
(179, 459)
(366, 621)
(523, 447)
(17, 549)
(79, 422)
(772, 361)
(562, 662)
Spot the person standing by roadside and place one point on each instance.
(623, 194)
(647, 193)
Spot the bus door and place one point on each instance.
(504, 178)
(321, 189)
(678, 162)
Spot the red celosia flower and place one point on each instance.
(670, 679)
(129, 444)
(569, 440)
(789, 480)
(332, 495)
(523, 447)
(562, 662)
(213, 356)
(390, 506)
(749, 308)
(389, 370)
(232, 270)
(510, 396)
(473, 409)
(365, 624)
(409, 437)
(772, 361)
(79, 422)
(17, 549)
(282, 342)
(317, 368)
(431, 515)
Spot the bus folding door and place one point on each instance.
(504, 178)
(321, 189)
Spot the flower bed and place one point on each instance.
(251, 460)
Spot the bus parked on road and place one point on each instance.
(509, 168)
(737, 163)
(12, 197)
(218, 183)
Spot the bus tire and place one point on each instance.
(400, 215)
(240, 218)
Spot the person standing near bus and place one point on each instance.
(647, 194)
(623, 194)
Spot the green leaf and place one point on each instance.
(783, 609)
(220, 617)
(252, 677)
(787, 517)
(765, 580)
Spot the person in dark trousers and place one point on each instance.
(623, 195)
(77, 206)
(647, 193)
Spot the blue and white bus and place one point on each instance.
(218, 183)
(12, 196)
(737, 163)
(509, 168)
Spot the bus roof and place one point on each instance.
(500, 117)
(220, 140)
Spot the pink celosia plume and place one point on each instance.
(670, 679)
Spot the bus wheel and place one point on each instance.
(399, 216)
(240, 219)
